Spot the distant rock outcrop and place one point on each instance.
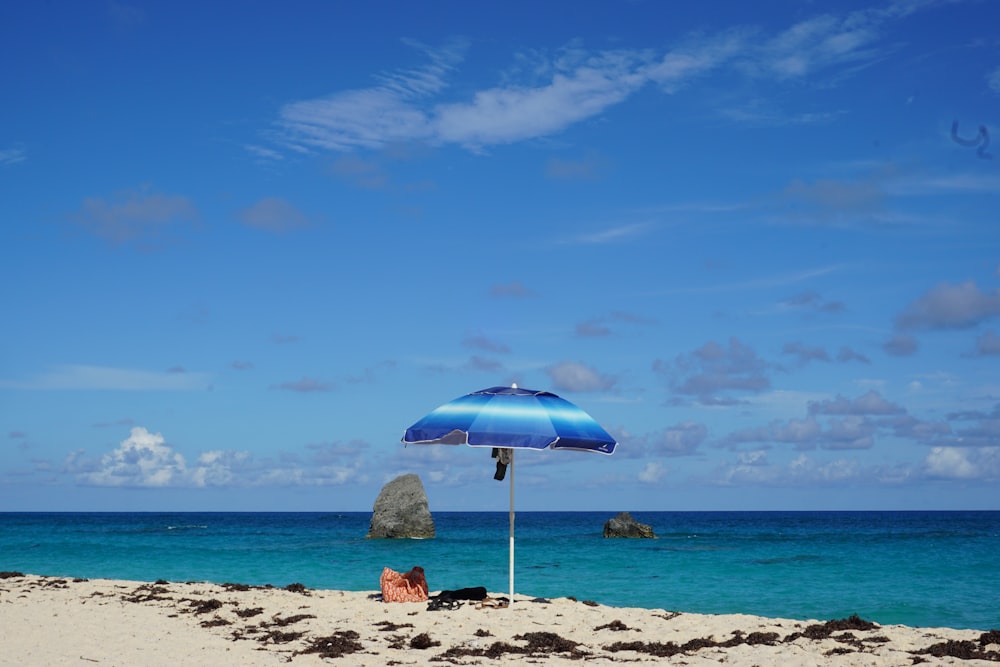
(401, 510)
(624, 525)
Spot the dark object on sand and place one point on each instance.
(476, 593)
(624, 525)
(401, 510)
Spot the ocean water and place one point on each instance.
(918, 568)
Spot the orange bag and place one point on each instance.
(408, 587)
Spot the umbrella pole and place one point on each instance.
(511, 527)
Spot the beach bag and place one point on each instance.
(407, 587)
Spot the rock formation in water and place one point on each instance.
(624, 525)
(401, 510)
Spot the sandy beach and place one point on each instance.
(59, 621)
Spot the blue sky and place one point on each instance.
(245, 245)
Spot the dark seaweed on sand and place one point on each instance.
(147, 593)
(250, 612)
(282, 622)
(614, 626)
(538, 644)
(423, 641)
(824, 630)
(204, 606)
(964, 650)
(815, 632)
(389, 626)
(278, 637)
(336, 645)
(240, 588)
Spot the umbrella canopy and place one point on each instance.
(509, 418)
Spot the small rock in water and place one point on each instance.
(623, 525)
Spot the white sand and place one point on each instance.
(52, 621)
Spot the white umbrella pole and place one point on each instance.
(511, 527)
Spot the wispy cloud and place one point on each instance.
(765, 282)
(574, 376)
(811, 302)
(601, 326)
(765, 113)
(584, 169)
(373, 117)
(574, 85)
(612, 234)
(481, 342)
(80, 377)
(819, 42)
(306, 385)
(576, 91)
(993, 80)
(273, 214)
(138, 215)
(514, 289)
(953, 183)
(12, 156)
(125, 17)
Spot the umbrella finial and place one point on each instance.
(513, 385)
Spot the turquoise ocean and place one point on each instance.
(917, 568)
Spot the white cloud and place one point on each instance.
(685, 63)
(574, 85)
(217, 468)
(142, 459)
(145, 459)
(800, 471)
(652, 473)
(973, 463)
(372, 117)
(816, 43)
(354, 119)
(506, 115)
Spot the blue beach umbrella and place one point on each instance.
(509, 418)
